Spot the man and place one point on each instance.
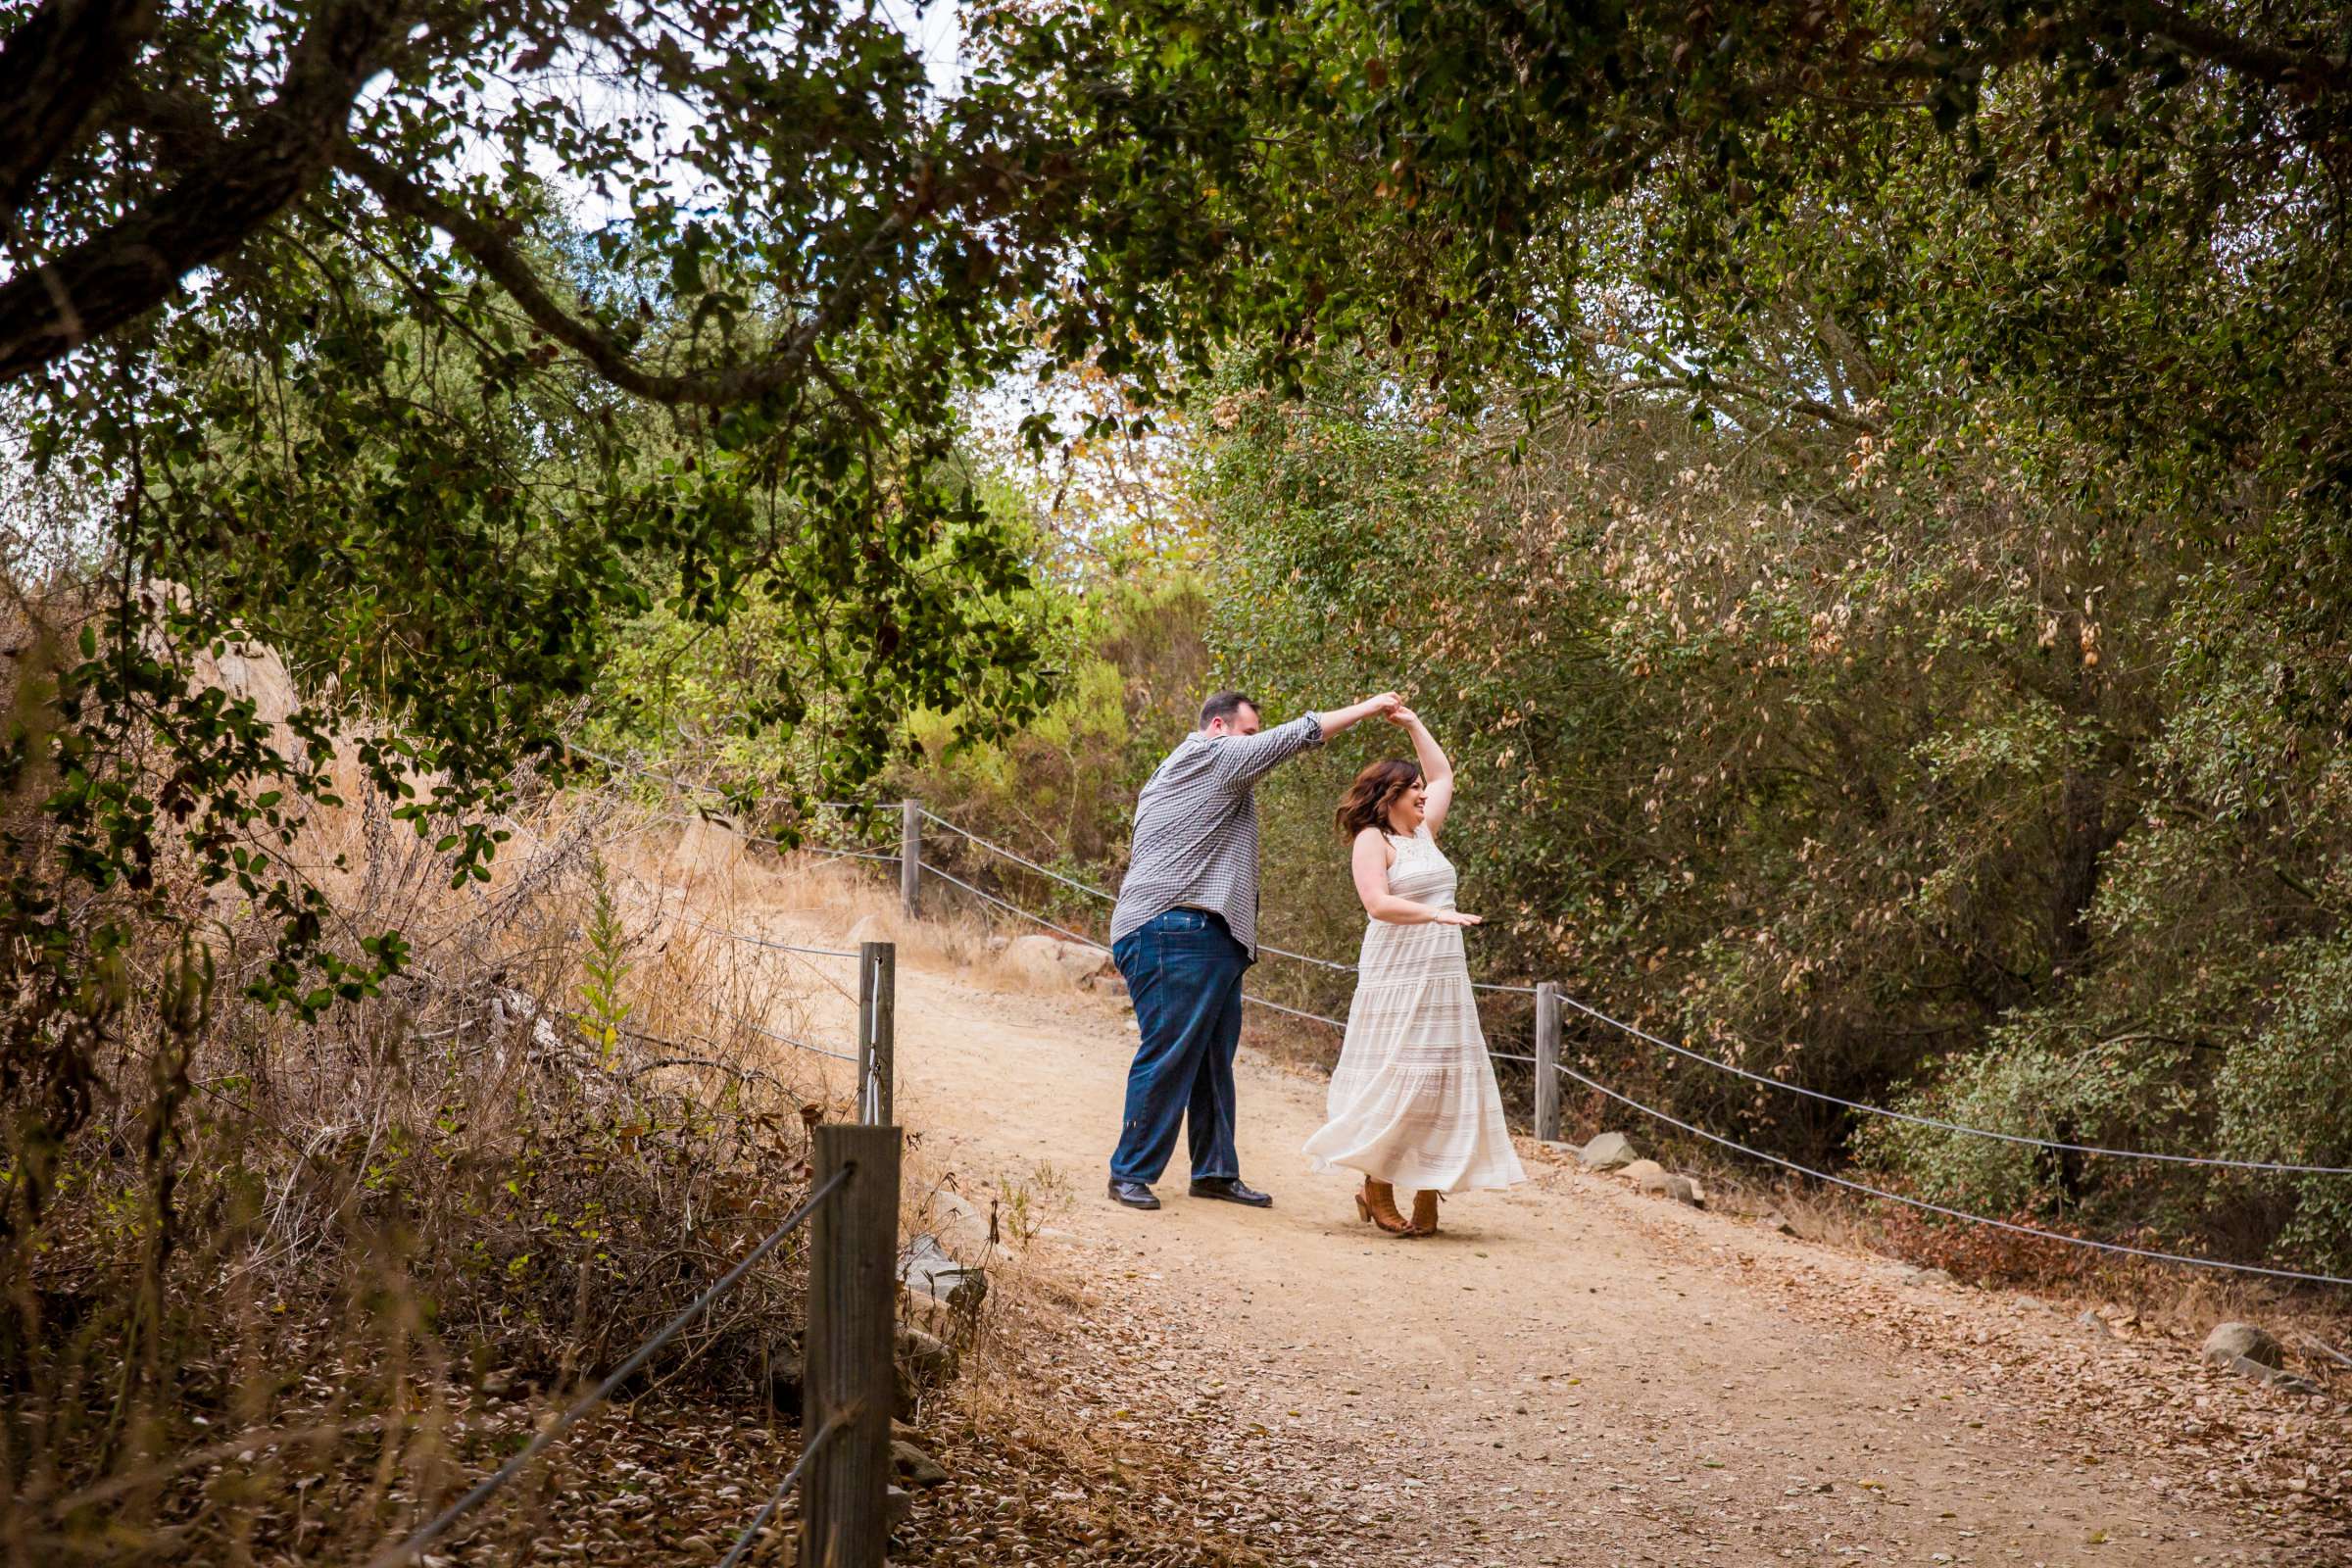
(1186, 927)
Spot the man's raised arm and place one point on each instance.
(1243, 759)
(1380, 706)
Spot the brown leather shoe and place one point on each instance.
(1376, 1202)
(1425, 1214)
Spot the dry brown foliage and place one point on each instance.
(295, 1284)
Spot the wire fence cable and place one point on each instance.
(2012, 1226)
(787, 1040)
(1865, 1108)
(1087, 888)
(1248, 997)
(1008, 904)
(1093, 892)
(410, 1550)
(791, 1478)
(2274, 1168)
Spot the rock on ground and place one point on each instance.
(2252, 1353)
(1908, 1275)
(928, 1267)
(1666, 1184)
(1051, 962)
(930, 1359)
(911, 1466)
(2230, 1340)
(1608, 1152)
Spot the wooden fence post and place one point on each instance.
(911, 858)
(877, 1030)
(847, 1370)
(1548, 1061)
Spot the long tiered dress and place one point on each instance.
(1414, 1102)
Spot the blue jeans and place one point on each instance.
(1184, 970)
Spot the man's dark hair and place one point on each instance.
(1226, 705)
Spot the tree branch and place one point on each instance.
(53, 70)
(2278, 64)
(507, 267)
(1673, 376)
(47, 309)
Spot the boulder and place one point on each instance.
(1050, 961)
(1917, 1277)
(921, 1360)
(897, 1504)
(930, 1273)
(1608, 1152)
(1777, 1221)
(1665, 1184)
(911, 1466)
(2230, 1342)
(926, 1357)
(2251, 1353)
(1640, 1170)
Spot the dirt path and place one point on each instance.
(1568, 1374)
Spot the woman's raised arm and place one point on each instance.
(1437, 769)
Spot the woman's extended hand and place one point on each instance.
(1402, 716)
(1453, 917)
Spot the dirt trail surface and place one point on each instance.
(1569, 1373)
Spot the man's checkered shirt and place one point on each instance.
(1195, 828)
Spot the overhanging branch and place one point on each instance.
(2275, 64)
(53, 69)
(607, 355)
(50, 308)
(1670, 374)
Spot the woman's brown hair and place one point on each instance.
(1367, 800)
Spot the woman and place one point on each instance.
(1413, 1103)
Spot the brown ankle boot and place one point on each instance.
(1376, 1202)
(1425, 1214)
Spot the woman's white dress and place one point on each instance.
(1414, 1102)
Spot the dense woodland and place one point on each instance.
(1866, 491)
(1901, 652)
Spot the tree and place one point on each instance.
(301, 346)
(430, 340)
(1893, 602)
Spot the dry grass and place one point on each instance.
(280, 1306)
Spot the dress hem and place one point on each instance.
(1321, 1166)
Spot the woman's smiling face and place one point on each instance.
(1409, 807)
